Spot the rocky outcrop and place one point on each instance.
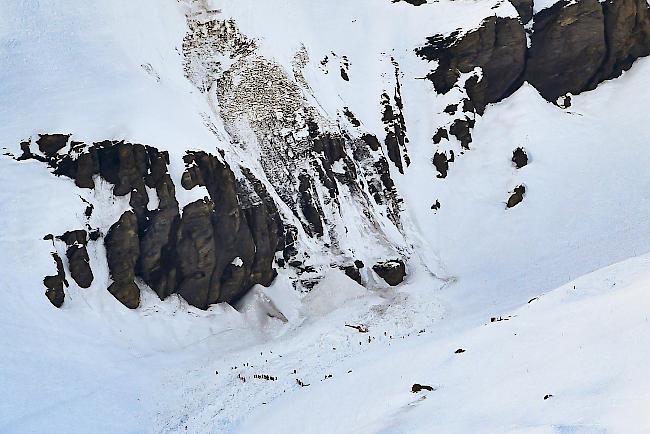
(395, 126)
(78, 259)
(233, 238)
(519, 158)
(575, 45)
(517, 196)
(317, 169)
(567, 48)
(393, 271)
(441, 163)
(627, 37)
(55, 283)
(50, 144)
(498, 47)
(309, 206)
(214, 251)
(462, 130)
(353, 271)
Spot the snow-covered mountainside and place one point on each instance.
(344, 216)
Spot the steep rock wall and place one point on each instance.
(574, 47)
(213, 251)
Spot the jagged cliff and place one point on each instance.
(310, 178)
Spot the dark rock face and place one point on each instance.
(567, 48)
(627, 37)
(308, 205)
(498, 47)
(157, 241)
(517, 196)
(376, 171)
(574, 47)
(393, 272)
(78, 260)
(233, 242)
(55, 284)
(395, 126)
(215, 252)
(196, 253)
(122, 252)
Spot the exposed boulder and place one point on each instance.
(462, 130)
(441, 163)
(439, 135)
(78, 259)
(353, 271)
(451, 109)
(416, 388)
(519, 158)
(55, 283)
(393, 271)
(413, 2)
(517, 196)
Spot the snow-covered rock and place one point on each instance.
(367, 182)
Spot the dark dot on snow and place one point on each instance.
(420, 387)
(547, 397)
(459, 351)
(451, 109)
(517, 196)
(519, 158)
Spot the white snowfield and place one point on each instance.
(571, 360)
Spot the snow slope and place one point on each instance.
(580, 346)
(115, 70)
